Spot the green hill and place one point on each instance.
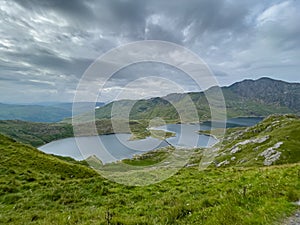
(273, 141)
(36, 188)
(37, 134)
(33, 133)
(261, 97)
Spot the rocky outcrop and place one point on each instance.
(271, 155)
(269, 91)
(236, 148)
(226, 162)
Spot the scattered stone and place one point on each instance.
(256, 148)
(233, 158)
(226, 162)
(293, 220)
(191, 165)
(235, 150)
(242, 161)
(277, 145)
(236, 147)
(271, 155)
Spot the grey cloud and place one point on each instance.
(76, 9)
(55, 40)
(157, 32)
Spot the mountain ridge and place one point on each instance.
(41, 112)
(261, 97)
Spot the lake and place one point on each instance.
(113, 147)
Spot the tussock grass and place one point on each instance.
(36, 188)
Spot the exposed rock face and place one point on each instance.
(236, 147)
(235, 150)
(267, 143)
(226, 162)
(271, 155)
(270, 92)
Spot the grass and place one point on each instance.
(277, 128)
(36, 188)
(33, 133)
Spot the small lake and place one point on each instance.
(113, 147)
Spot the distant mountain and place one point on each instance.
(269, 91)
(246, 98)
(43, 112)
(35, 113)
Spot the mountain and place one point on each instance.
(42, 112)
(268, 91)
(35, 113)
(260, 97)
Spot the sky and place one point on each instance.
(47, 45)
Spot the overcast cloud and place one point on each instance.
(46, 45)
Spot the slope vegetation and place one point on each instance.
(36, 188)
(274, 141)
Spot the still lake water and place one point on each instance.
(113, 147)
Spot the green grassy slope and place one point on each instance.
(39, 189)
(35, 134)
(27, 164)
(276, 135)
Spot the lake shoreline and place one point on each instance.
(204, 139)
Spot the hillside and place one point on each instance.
(269, 91)
(37, 134)
(36, 113)
(43, 112)
(261, 97)
(27, 164)
(33, 133)
(274, 141)
(36, 188)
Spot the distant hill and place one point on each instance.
(42, 112)
(261, 97)
(35, 133)
(35, 113)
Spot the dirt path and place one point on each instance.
(294, 219)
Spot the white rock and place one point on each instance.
(226, 162)
(271, 155)
(235, 150)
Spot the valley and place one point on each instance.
(40, 189)
(131, 112)
(251, 176)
